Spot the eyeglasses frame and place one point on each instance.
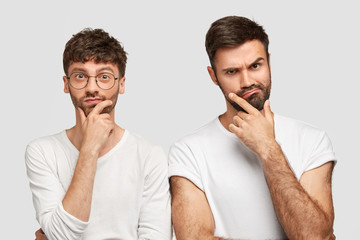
(88, 78)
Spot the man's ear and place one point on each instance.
(269, 61)
(122, 85)
(66, 84)
(212, 74)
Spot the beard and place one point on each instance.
(257, 99)
(79, 103)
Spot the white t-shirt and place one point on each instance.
(131, 197)
(232, 177)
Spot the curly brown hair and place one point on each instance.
(96, 45)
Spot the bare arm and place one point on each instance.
(96, 130)
(304, 209)
(191, 214)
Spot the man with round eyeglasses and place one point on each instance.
(104, 80)
(97, 180)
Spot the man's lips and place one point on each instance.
(93, 101)
(249, 93)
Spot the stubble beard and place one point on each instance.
(78, 103)
(257, 99)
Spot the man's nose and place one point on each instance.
(92, 85)
(245, 80)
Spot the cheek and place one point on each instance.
(231, 84)
(114, 97)
(264, 77)
(74, 100)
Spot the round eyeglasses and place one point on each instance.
(79, 80)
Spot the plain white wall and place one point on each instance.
(315, 58)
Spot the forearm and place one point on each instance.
(47, 192)
(200, 233)
(191, 214)
(300, 216)
(77, 200)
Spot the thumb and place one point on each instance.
(82, 115)
(267, 110)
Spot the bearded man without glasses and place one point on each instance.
(250, 173)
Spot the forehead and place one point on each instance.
(91, 67)
(245, 53)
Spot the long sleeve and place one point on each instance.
(47, 193)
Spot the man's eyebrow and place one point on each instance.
(80, 69)
(230, 69)
(77, 69)
(105, 69)
(259, 59)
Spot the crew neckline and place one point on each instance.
(232, 135)
(224, 130)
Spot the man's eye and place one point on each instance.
(230, 72)
(80, 76)
(256, 65)
(104, 77)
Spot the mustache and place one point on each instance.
(92, 95)
(244, 90)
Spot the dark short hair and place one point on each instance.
(97, 45)
(233, 31)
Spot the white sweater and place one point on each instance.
(131, 197)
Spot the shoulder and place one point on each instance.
(142, 146)
(43, 150)
(306, 146)
(46, 142)
(199, 136)
(193, 146)
(140, 142)
(286, 127)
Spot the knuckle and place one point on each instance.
(257, 114)
(248, 117)
(236, 119)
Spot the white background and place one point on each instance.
(315, 65)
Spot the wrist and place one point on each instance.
(89, 152)
(273, 152)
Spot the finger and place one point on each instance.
(106, 120)
(234, 129)
(100, 106)
(237, 121)
(243, 115)
(243, 103)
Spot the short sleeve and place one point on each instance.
(321, 152)
(183, 163)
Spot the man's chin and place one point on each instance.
(108, 109)
(87, 110)
(259, 105)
